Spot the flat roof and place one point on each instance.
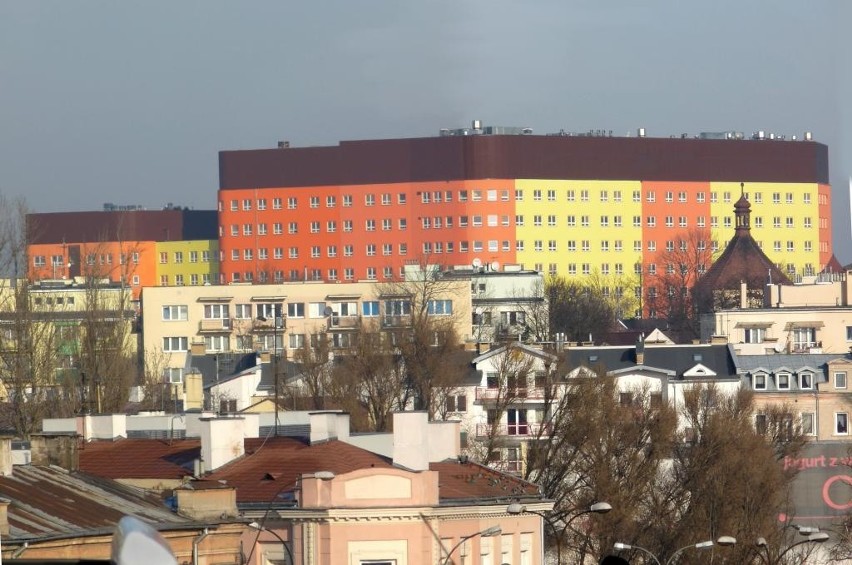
(435, 159)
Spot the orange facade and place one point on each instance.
(367, 232)
(133, 262)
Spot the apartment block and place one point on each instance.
(279, 317)
(568, 205)
(138, 248)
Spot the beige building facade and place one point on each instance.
(241, 318)
(813, 317)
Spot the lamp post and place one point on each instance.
(596, 508)
(487, 533)
(259, 529)
(321, 475)
(276, 323)
(723, 541)
(813, 536)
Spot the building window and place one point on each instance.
(840, 379)
(841, 423)
(808, 421)
(753, 335)
(759, 381)
(783, 381)
(173, 313)
(806, 381)
(174, 344)
(760, 423)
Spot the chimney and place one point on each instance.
(328, 425)
(411, 440)
(640, 350)
(444, 440)
(4, 516)
(206, 504)
(102, 426)
(222, 441)
(55, 449)
(743, 295)
(6, 457)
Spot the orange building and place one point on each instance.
(568, 205)
(136, 247)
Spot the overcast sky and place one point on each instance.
(129, 102)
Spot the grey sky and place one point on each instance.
(129, 102)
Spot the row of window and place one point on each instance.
(178, 256)
(808, 423)
(316, 310)
(180, 279)
(490, 220)
(804, 380)
(91, 259)
(494, 195)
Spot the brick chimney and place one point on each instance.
(6, 456)
(640, 350)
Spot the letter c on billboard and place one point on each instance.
(827, 485)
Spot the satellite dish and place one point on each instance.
(477, 263)
(478, 310)
(495, 266)
(327, 312)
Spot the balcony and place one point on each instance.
(484, 393)
(343, 322)
(403, 321)
(215, 325)
(514, 430)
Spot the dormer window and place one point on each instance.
(783, 381)
(806, 381)
(759, 381)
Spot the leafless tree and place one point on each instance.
(685, 258)
(424, 337)
(588, 307)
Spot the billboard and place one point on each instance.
(822, 490)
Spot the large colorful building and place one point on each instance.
(170, 247)
(569, 205)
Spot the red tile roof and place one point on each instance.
(471, 480)
(140, 458)
(271, 467)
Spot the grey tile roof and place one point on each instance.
(677, 358)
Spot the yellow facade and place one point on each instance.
(784, 221)
(575, 228)
(187, 263)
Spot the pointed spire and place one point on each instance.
(742, 211)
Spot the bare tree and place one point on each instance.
(314, 358)
(28, 340)
(378, 375)
(422, 327)
(685, 258)
(580, 309)
(508, 386)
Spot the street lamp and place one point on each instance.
(259, 528)
(813, 536)
(321, 475)
(723, 541)
(276, 323)
(487, 533)
(596, 508)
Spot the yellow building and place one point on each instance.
(181, 263)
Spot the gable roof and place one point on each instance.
(140, 458)
(49, 502)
